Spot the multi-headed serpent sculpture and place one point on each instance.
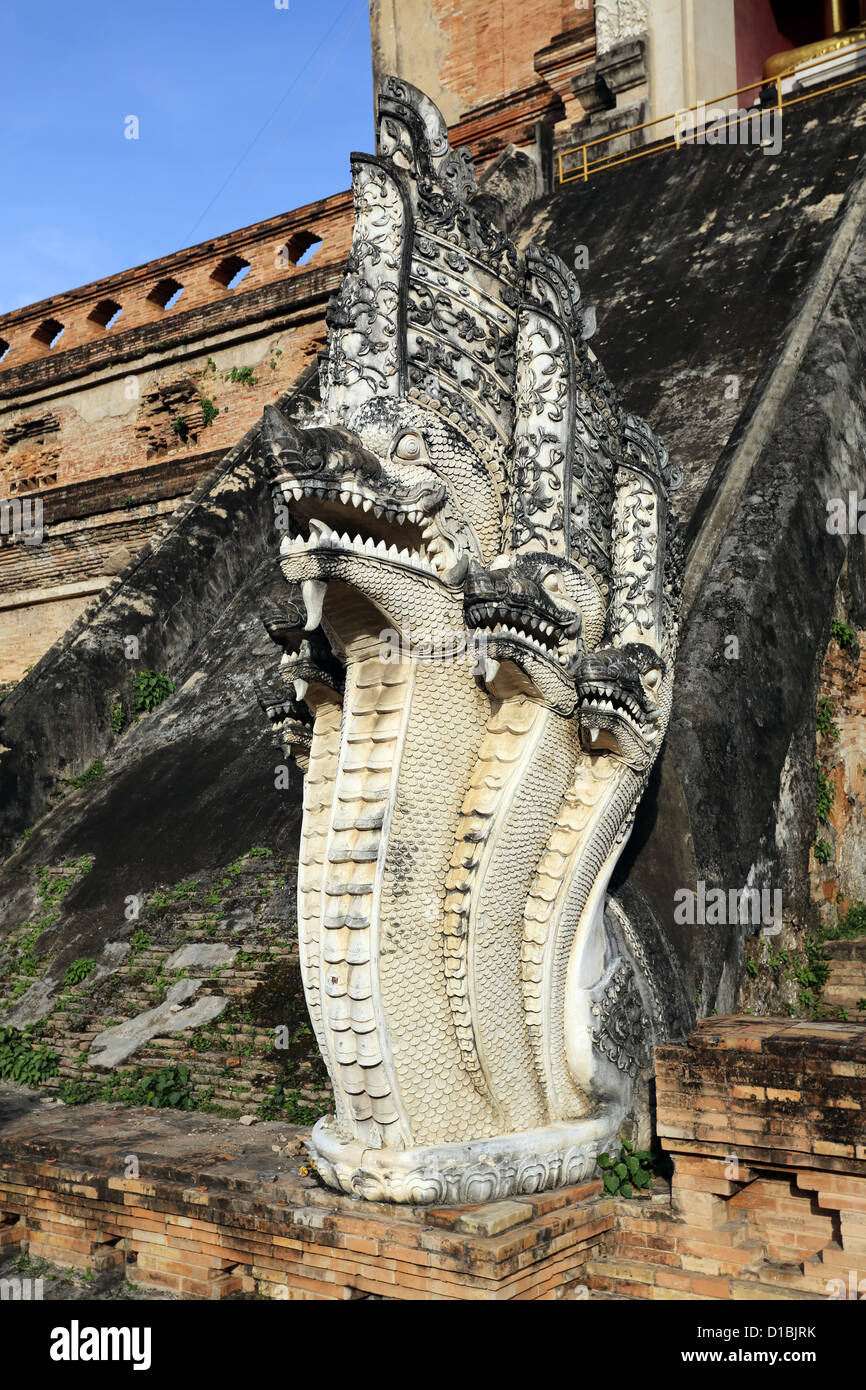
(474, 474)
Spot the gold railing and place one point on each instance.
(586, 166)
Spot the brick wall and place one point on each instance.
(208, 1216)
(271, 249)
(142, 407)
(762, 1118)
(840, 880)
(496, 70)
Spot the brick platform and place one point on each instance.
(215, 1212)
(764, 1121)
(762, 1118)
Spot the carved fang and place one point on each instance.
(313, 591)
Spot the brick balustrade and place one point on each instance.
(274, 250)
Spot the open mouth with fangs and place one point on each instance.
(354, 521)
(604, 709)
(523, 625)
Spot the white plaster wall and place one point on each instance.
(692, 55)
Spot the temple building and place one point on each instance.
(530, 966)
(117, 397)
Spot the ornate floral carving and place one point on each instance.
(616, 20)
(623, 1028)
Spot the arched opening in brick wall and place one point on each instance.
(4, 348)
(231, 272)
(166, 293)
(106, 313)
(300, 248)
(48, 332)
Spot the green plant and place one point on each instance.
(165, 1088)
(826, 793)
(631, 1170)
(256, 853)
(278, 352)
(180, 427)
(150, 688)
(140, 942)
(178, 894)
(209, 410)
(244, 375)
(54, 884)
(812, 975)
(843, 634)
(281, 1103)
(87, 778)
(23, 1060)
(823, 851)
(117, 718)
(853, 924)
(861, 1005)
(826, 711)
(78, 970)
(751, 967)
(26, 963)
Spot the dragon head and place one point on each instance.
(530, 610)
(393, 505)
(619, 697)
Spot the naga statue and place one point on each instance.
(478, 650)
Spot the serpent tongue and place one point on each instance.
(313, 592)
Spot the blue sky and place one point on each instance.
(283, 94)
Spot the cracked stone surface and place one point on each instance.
(116, 1044)
(201, 954)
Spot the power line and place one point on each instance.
(304, 67)
(319, 78)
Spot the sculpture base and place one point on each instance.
(480, 1170)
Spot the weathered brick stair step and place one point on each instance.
(851, 948)
(743, 1290)
(846, 983)
(633, 1278)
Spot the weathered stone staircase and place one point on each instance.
(846, 985)
(234, 1065)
